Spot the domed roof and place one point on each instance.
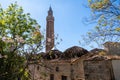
(42, 54)
(96, 50)
(53, 54)
(74, 51)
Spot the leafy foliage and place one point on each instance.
(107, 15)
(18, 32)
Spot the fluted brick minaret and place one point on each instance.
(50, 30)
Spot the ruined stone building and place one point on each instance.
(75, 63)
(102, 68)
(56, 65)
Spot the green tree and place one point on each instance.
(19, 34)
(106, 13)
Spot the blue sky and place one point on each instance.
(68, 18)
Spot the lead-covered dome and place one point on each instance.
(53, 54)
(74, 51)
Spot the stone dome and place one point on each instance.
(53, 54)
(96, 51)
(74, 51)
(42, 54)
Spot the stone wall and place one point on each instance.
(72, 69)
(116, 69)
(98, 70)
(78, 69)
(38, 72)
(56, 69)
(59, 69)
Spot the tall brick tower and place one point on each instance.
(50, 30)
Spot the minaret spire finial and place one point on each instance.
(50, 9)
(50, 6)
(50, 12)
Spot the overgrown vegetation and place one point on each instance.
(107, 15)
(19, 35)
